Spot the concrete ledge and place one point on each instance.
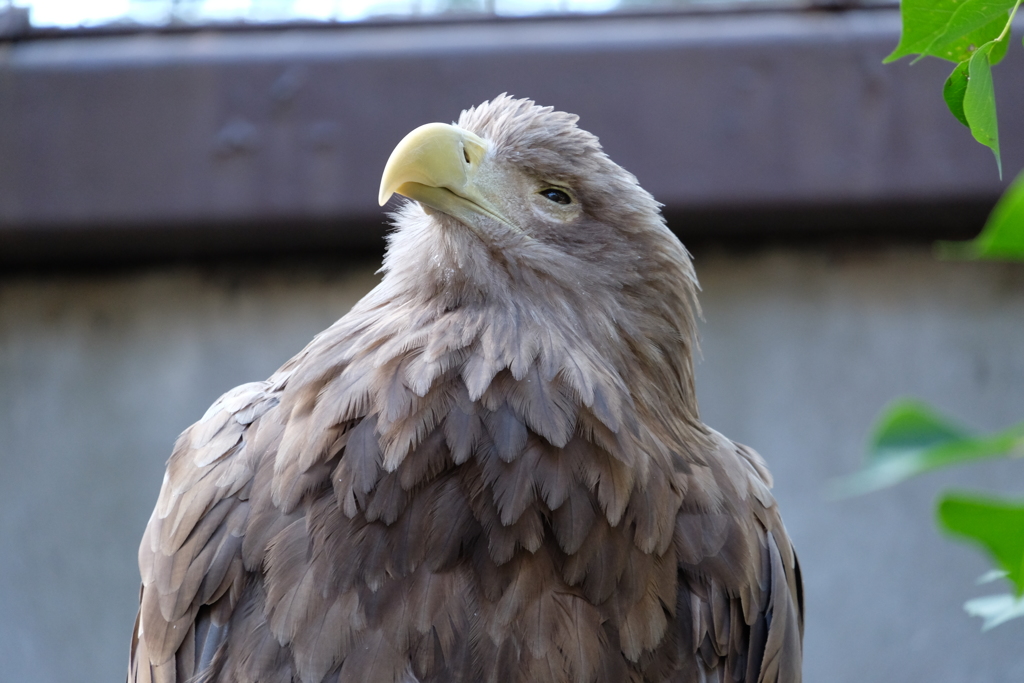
(212, 141)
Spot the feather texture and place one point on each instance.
(491, 469)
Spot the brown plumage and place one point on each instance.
(491, 469)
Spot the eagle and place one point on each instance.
(492, 469)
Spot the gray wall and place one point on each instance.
(99, 372)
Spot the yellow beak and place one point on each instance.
(439, 165)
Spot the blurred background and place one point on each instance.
(187, 195)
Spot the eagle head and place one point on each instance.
(510, 166)
(526, 181)
(517, 209)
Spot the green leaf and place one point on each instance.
(1002, 238)
(974, 23)
(950, 29)
(912, 424)
(910, 438)
(953, 92)
(995, 524)
(980, 102)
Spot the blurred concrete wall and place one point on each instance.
(99, 373)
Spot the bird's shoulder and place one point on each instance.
(741, 605)
(191, 556)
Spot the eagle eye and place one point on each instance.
(556, 195)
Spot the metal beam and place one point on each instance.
(253, 141)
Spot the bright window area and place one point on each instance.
(71, 13)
